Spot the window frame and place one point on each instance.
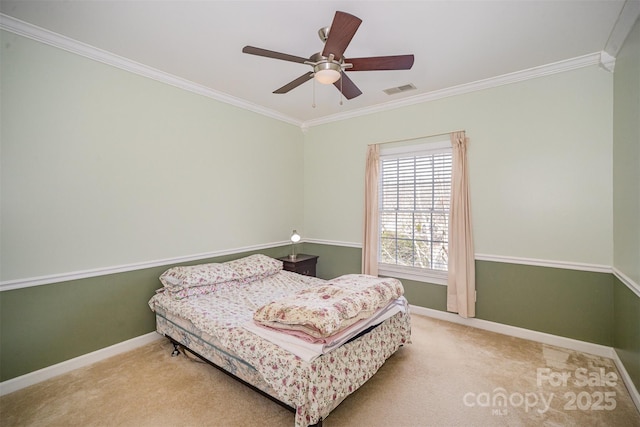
(434, 146)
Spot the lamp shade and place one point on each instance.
(295, 237)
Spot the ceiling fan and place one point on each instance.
(329, 66)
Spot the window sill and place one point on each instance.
(411, 273)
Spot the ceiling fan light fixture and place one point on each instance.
(327, 72)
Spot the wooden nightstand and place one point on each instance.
(303, 264)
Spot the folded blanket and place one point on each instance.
(309, 351)
(322, 311)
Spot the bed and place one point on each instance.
(211, 310)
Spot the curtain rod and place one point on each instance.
(418, 137)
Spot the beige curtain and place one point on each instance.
(461, 290)
(370, 239)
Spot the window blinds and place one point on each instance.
(414, 209)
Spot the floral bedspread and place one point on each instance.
(322, 311)
(313, 388)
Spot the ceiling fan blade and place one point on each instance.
(348, 87)
(343, 28)
(374, 63)
(295, 83)
(271, 54)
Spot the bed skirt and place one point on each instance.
(210, 349)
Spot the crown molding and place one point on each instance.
(42, 35)
(623, 26)
(607, 61)
(518, 76)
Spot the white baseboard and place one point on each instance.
(542, 337)
(35, 377)
(514, 331)
(633, 391)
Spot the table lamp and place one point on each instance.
(295, 238)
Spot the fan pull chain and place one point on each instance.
(313, 104)
(341, 94)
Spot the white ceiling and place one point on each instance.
(454, 42)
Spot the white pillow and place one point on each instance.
(255, 267)
(197, 275)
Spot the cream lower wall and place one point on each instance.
(540, 161)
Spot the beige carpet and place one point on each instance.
(451, 375)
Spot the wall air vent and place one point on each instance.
(403, 88)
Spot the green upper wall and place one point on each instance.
(540, 161)
(102, 167)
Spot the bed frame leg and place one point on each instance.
(176, 350)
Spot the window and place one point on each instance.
(415, 192)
